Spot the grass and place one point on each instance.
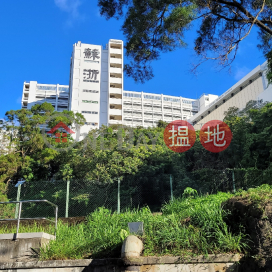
(259, 196)
(188, 226)
(28, 228)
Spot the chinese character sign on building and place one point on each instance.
(90, 75)
(215, 136)
(179, 136)
(92, 54)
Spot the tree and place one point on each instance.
(155, 26)
(30, 158)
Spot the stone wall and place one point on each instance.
(210, 263)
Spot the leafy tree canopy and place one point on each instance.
(155, 26)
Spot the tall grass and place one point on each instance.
(187, 226)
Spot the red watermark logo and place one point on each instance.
(215, 136)
(61, 137)
(179, 136)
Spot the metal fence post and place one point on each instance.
(171, 188)
(18, 199)
(233, 181)
(118, 197)
(67, 198)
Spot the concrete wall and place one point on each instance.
(21, 249)
(211, 263)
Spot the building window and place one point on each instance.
(89, 101)
(90, 91)
(146, 96)
(63, 89)
(187, 101)
(46, 87)
(90, 112)
(132, 95)
(171, 99)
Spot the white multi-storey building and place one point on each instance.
(253, 86)
(96, 83)
(36, 93)
(96, 90)
(146, 109)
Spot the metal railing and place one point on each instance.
(39, 218)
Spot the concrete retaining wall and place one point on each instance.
(210, 263)
(14, 251)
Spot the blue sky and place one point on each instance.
(37, 39)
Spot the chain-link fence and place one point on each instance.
(79, 198)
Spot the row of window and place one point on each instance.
(153, 97)
(90, 112)
(90, 91)
(90, 101)
(187, 101)
(52, 98)
(46, 87)
(151, 106)
(165, 108)
(63, 89)
(132, 95)
(147, 96)
(171, 99)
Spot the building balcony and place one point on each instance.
(115, 51)
(127, 106)
(157, 109)
(116, 65)
(115, 101)
(116, 106)
(116, 90)
(115, 96)
(115, 80)
(115, 85)
(115, 70)
(116, 60)
(115, 112)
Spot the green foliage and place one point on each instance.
(189, 192)
(259, 196)
(269, 66)
(152, 27)
(138, 156)
(187, 226)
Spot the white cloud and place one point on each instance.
(71, 7)
(241, 72)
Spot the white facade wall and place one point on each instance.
(36, 93)
(146, 109)
(252, 87)
(85, 84)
